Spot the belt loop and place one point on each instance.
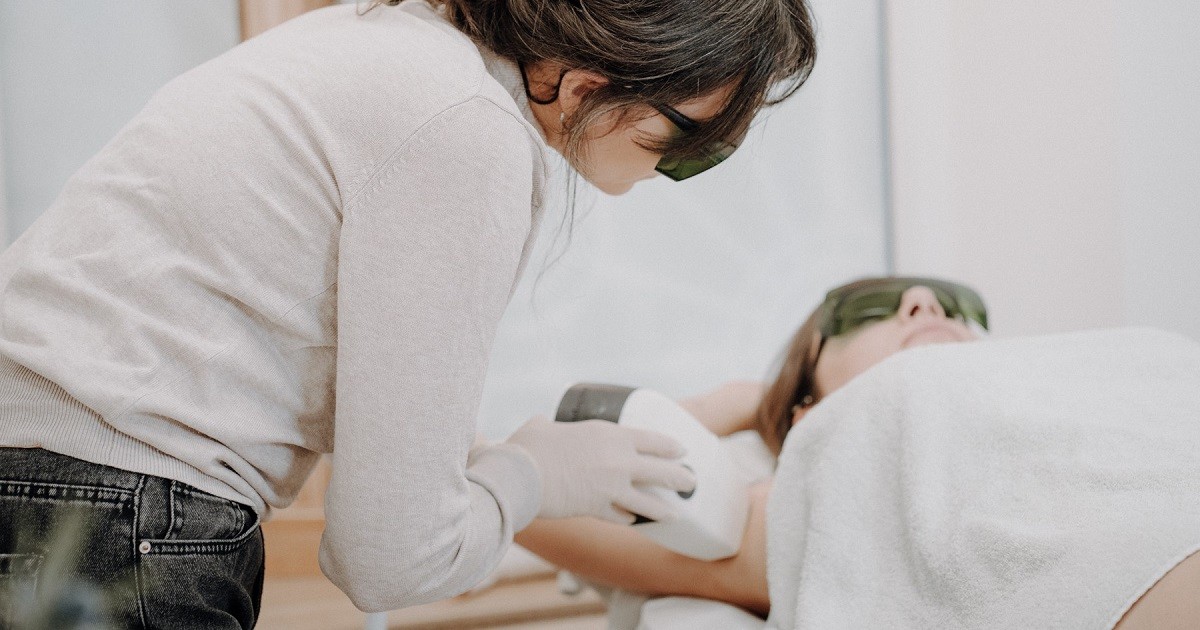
(137, 510)
(134, 548)
(171, 508)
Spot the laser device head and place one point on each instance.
(712, 517)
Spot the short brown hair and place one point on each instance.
(793, 383)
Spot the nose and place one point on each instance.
(920, 302)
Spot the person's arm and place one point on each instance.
(618, 556)
(429, 253)
(727, 409)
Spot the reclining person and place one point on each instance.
(858, 326)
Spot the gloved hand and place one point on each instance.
(600, 468)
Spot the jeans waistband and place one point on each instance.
(36, 465)
(53, 476)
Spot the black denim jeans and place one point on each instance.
(89, 546)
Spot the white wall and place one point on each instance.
(1047, 153)
(73, 72)
(3, 194)
(1158, 117)
(681, 286)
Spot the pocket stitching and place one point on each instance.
(162, 546)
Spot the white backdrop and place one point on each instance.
(681, 286)
(1049, 154)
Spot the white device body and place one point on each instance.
(711, 520)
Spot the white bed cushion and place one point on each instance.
(689, 613)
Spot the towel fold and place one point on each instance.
(1042, 482)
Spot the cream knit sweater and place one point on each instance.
(302, 246)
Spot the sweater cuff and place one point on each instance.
(510, 475)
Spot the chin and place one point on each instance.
(615, 190)
(938, 335)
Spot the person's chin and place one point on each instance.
(931, 336)
(614, 189)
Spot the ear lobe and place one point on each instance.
(798, 413)
(575, 86)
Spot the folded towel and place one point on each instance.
(1041, 482)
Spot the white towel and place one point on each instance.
(1043, 482)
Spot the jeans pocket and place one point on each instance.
(207, 572)
(195, 516)
(18, 587)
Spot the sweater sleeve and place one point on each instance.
(429, 252)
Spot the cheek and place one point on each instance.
(875, 343)
(847, 358)
(623, 158)
(615, 160)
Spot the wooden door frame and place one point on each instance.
(257, 16)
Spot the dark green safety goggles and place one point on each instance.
(850, 307)
(680, 169)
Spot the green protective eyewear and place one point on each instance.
(678, 168)
(850, 307)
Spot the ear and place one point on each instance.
(575, 86)
(798, 413)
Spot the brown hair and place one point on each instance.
(792, 385)
(654, 52)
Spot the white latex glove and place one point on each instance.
(599, 468)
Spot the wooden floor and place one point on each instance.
(315, 603)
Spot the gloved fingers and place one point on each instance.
(656, 472)
(645, 504)
(654, 443)
(614, 514)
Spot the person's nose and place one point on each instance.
(920, 302)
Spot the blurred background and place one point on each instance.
(1045, 153)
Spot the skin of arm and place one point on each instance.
(1171, 604)
(618, 556)
(729, 408)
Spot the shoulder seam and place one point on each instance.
(525, 124)
(383, 164)
(389, 165)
